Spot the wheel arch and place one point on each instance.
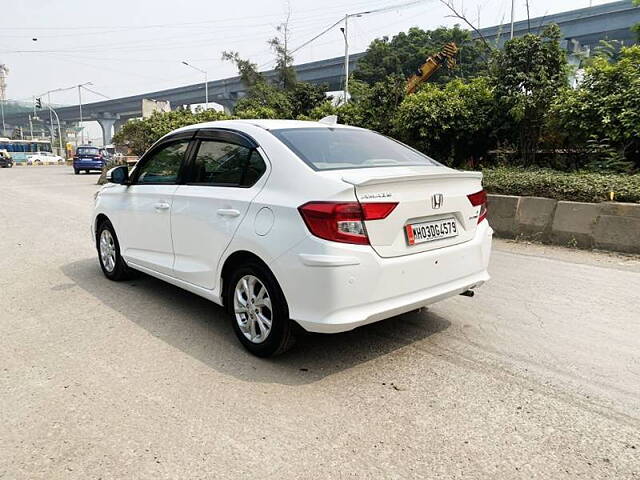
(100, 218)
(235, 260)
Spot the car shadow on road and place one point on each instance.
(202, 330)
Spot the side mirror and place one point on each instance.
(119, 175)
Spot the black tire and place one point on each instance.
(121, 270)
(282, 335)
(76, 171)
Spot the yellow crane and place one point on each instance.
(432, 65)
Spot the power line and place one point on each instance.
(317, 36)
(366, 12)
(151, 44)
(176, 24)
(97, 93)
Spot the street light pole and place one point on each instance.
(345, 32)
(80, 104)
(206, 83)
(513, 8)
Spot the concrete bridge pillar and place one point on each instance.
(107, 122)
(118, 125)
(107, 129)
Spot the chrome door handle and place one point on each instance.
(228, 212)
(162, 206)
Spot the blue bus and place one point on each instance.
(19, 149)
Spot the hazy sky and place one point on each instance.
(131, 46)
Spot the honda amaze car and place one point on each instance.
(326, 226)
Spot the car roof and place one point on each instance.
(267, 124)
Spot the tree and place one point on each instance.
(247, 70)
(304, 97)
(526, 75)
(605, 108)
(284, 60)
(266, 100)
(140, 134)
(275, 102)
(264, 95)
(373, 106)
(405, 52)
(286, 98)
(453, 123)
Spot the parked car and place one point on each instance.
(89, 158)
(44, 158)
(321, 225)
(5, 159)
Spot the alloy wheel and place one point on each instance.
(252, 307)
(107, 250)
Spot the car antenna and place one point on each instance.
(329, 120)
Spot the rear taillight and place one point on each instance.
(479, 199)
(377, 211)
(343, 221)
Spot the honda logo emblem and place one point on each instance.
(436, 200)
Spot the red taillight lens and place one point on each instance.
(377, 211)
(479, 199)
(343, 221)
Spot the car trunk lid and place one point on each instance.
(431, 198)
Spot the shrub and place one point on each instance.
(452, 123)
(605, 107)
(576, 186)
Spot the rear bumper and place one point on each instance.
(88, 165)
(333, 287)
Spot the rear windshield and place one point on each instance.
(342, 148)
(87, 151)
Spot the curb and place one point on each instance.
(607, 226)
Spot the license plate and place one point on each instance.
(430, 231)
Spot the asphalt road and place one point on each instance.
(538, 376)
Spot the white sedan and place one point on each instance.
(288, 223)
(44, 158)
